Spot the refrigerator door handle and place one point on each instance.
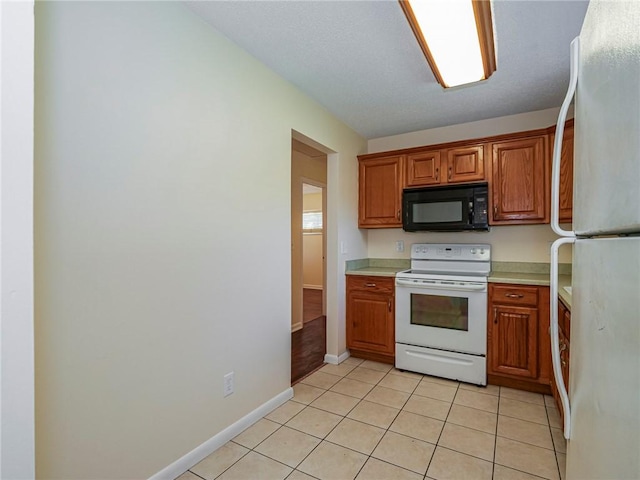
(557, 144)
(555, 340)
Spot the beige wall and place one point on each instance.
(312, 202)
(312, 260)
(162, 188)
(482, 128)
(523, 243)
(526, 243)
(312, 246)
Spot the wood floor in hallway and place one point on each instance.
(309, 344)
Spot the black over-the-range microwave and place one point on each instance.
(451, 208)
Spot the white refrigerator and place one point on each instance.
(603, 403)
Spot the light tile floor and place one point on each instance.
(367, 420)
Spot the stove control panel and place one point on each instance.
(451, 251)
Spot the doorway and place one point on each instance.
(308, 259)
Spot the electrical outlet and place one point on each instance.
(227, 387)
(399, 246)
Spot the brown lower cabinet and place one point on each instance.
(371, 317)
(564, 332)
(518, 343)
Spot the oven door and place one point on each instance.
(447, 315)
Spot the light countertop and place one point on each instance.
(376, 271)
(517, 273)
(377, 267)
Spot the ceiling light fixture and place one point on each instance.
(455, 36)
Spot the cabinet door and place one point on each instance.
(514, 341)
(519, 181)
(380, 192)
(566, 175)
(370, 322)
(423, 168)
(465, 164)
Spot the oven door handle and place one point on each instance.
(472, 287)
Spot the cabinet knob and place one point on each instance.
(495, 315)
(369, 284)
(437, 173)
(495, 210)
(389, 304)
(398, 214)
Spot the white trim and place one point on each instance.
(296, 326)
(17, 422)
(335, 359)
(196, 455)
(313, 287)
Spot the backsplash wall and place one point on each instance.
(520, 243)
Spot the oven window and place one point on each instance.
(439, 311)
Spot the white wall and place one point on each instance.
(521, 243)
(16, 241)
(163, 156)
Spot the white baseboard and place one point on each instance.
(296, 326)
(335, 359)
(184, 463)
(312, 287)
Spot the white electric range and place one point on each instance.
(441, 311)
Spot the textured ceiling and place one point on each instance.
(361, 61)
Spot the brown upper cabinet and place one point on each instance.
(380, 192)
(466, 164)
(441, 166)
(517, 167)
(423, 168)
(566, 171)
(520, 181)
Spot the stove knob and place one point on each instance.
(473, 251)
(482, 251)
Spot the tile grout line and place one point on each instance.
(388, 372)
(495, 438)
(441, 431)
(390, 424)
(553, 442)
(324, 439)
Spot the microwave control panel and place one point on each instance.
(480, 209)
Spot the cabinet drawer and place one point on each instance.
(515, 295)
(370, 284)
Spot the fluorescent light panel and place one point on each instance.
(456, 37)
